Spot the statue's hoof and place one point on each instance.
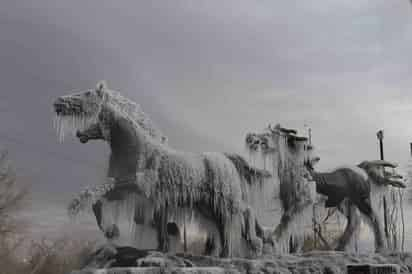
(276, 247)
(256, 246)
(267, 249)
(381, 250)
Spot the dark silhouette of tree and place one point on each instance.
(12, 197)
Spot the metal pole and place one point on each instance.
(310, 136)
(385, 205)
(381, 148)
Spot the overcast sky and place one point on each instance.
(207, 72)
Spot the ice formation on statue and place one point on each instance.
(284, 153)
(154, 185)
(346, 188)
(387, 186)
(161, 198)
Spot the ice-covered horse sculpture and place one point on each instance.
(284, 153)
(163, 190)
(351, 184)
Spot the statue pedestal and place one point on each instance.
(373, 269)
(158, 270)
(132, 261)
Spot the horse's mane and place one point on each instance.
(133, 112)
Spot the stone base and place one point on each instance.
(158, 270)
(131, 261)
(373, 269)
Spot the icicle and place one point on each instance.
(69, 125)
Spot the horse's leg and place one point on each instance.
(281, 231)
(161, 224)
(210, 247)
(352, 225)
(213, 241)
(295, 246)
(97, 211)
(283, 225)
(255, 243)
(223, 226)
(213, 245)
(366, 208)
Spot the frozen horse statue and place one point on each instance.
(162, 189)
(284, 153)
(351, 184)
(355, 184)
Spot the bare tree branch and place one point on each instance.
(12, 197)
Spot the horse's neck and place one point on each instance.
(125, 148)
(317, 176)
(130, 148)
(378, 180)
(123, 136)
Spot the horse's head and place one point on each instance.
(376, 171)
(79, 113)
(82, 104)
(283, 141)
(264, 142)
(291, 150)
(92, 114)
(311, 157)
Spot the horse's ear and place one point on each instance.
(364, 164)
(101, 87)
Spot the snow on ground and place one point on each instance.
(318, 262)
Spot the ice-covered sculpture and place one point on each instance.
(162, 189)
(292, 156)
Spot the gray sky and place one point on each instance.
(207, 72)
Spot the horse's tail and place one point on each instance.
(249, 173)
